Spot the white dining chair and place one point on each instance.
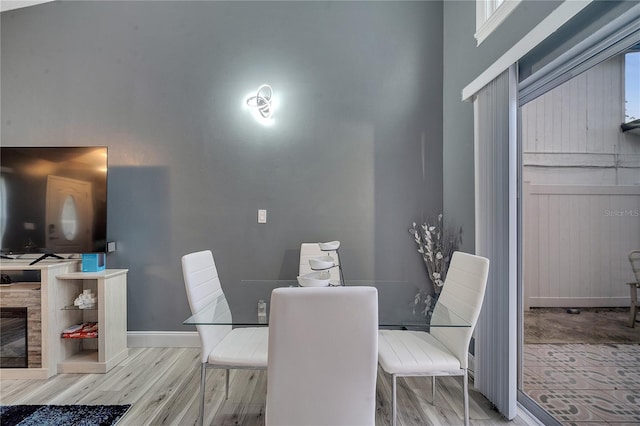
(444, 350)
(311, 250)
(221, 346)
(323, 345)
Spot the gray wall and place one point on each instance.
(355, 152)
(463, 62)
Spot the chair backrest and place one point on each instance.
(634, 259)
(311, 250)
(462, 294)
(323, 355)
(203, 287)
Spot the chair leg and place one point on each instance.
(633, 310)
(226, 387)
(393, 400)
(433, 390)
(203, 375)
(465, 389)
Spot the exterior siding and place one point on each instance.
(581, 213)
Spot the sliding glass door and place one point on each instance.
(579, 178)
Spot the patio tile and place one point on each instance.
(554, 377)
(611, 407)
(610, 377)
(566, 405)
(585, 384)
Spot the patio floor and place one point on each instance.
(583, 368)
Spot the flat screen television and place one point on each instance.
(53, 200)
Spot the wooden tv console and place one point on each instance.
(60, 282)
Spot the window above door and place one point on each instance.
(490, 14)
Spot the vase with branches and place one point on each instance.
(436, 244)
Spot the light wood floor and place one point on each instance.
(162, 386)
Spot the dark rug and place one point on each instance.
(61, 415)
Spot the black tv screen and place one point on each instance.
(53, 200)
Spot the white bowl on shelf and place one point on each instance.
(323, 262)
(314, 279)
(329, 246)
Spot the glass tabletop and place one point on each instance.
(392, 311)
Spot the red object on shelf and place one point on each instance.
(85, 330)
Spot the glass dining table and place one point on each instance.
(395, 309)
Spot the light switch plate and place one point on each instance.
(262, 216)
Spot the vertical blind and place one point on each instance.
(496, 231)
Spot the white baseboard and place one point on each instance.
(163, 339)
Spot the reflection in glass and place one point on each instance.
(69, 218)
(37, 182)
(3, 207)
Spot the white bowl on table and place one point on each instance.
(322, 262)
(329, 246)
(314, 279)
